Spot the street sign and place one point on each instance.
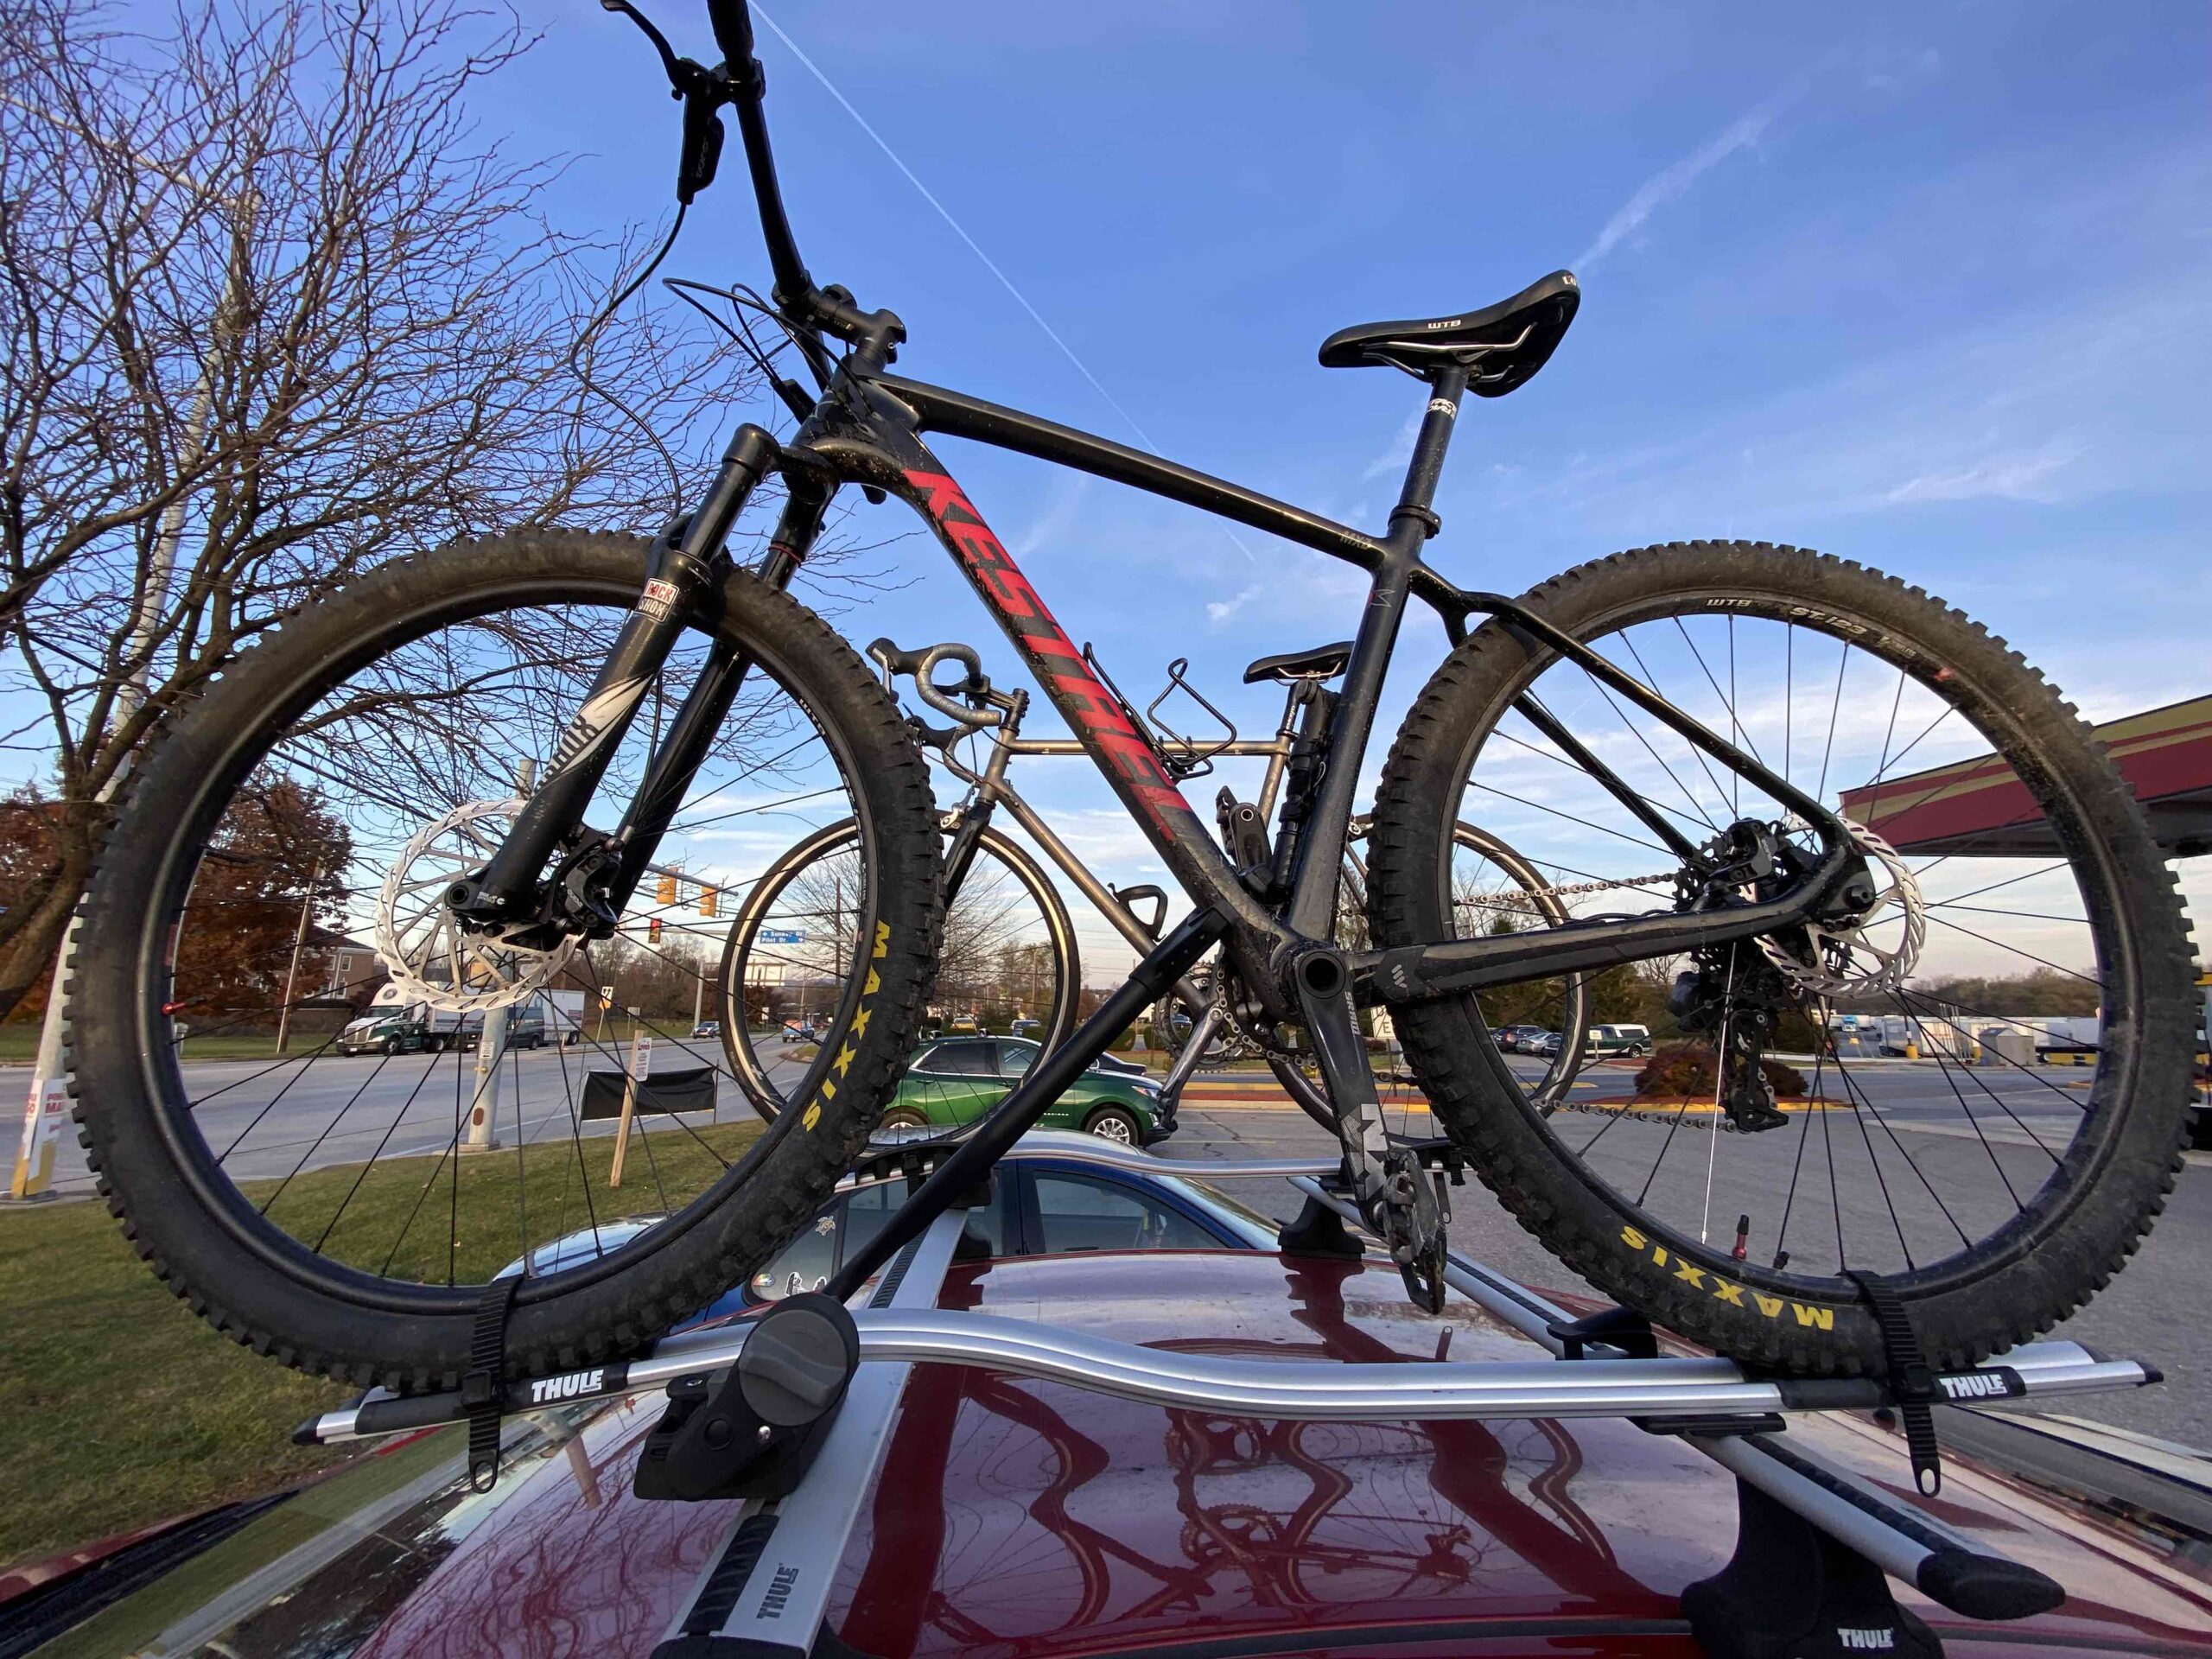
(783, 936)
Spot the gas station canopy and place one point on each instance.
(1980, 806)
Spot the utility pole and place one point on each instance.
(292, 973)
(47, 1103)
(492, 1040)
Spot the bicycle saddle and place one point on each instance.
(1504, 344)
(1319, 662)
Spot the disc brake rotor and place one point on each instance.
(423, 947)
(1846, 959)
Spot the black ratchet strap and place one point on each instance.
(483, 1389)
(1911, 1380)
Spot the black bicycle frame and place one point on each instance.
(866, 429)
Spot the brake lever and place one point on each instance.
(668, 60)
(703, 91)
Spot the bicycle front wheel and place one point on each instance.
(1731, 1189)
(264, 955)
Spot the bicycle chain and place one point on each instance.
(1575, 889)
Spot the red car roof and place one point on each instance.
(1018, 1518)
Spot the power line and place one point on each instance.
(974, 247)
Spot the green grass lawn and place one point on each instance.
(121, 1408)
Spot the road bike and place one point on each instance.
(1711, 733)
(1008, 928)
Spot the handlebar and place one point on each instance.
(940, 696)
(733, 21)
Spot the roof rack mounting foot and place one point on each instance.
(1318, 1230)
(754, 1432)
(1792, 1590)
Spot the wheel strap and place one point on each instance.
(484, 1387)
(1911, 1380)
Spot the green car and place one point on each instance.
(955, 1080)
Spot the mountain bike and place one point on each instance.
(1007, 925)
(1717, 730)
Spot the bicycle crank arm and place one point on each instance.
(1404, 1209)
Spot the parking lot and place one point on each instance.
(277, 1118)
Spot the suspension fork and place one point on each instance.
(685, 562)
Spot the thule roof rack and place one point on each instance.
(792, 1411)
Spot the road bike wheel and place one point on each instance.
(1995, 1195)
(1494, 889)
(1007, 940)
(344, 770)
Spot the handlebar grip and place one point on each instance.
(733, 21)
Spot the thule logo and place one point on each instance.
(1874, 1641)
(1976, 1385)
(779, 1591)
(547, 1390)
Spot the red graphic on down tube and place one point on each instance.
(1087, 704)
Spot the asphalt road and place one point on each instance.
(1933, 1151)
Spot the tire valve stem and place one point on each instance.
(1743, 1239)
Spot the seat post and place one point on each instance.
(1448, 386)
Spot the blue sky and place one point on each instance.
(1927, 287)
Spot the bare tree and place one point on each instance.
(273, 312)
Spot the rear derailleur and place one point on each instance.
(1737, 992)
(1736, 995)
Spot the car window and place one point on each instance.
(1076, 1212)
(1016, 1058)
(963, 1059)
(805, 1261)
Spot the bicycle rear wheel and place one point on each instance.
(1008, 946)
(1993, 1193)
(336, 1212)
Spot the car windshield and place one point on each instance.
(1263, 1229)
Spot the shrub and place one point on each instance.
(1689, 1068)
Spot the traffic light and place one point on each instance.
(710, 902)
(652, 930)
(666, 890)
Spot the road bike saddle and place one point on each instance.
(1504, 344)
(1316, 663)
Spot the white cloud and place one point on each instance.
(2013, 475)
(1672, 183)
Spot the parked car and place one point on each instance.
(955, 1080)
(1631, 1042)
(1042, 1202)
(962, 1025)
(1543, 1044)
(1516, 1039)
(1029, 1517)
(1024, 1027)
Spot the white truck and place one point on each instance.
(393, 1025)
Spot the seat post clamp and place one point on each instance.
(1432, 526)
(484, 1388)
(1910, 1379)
